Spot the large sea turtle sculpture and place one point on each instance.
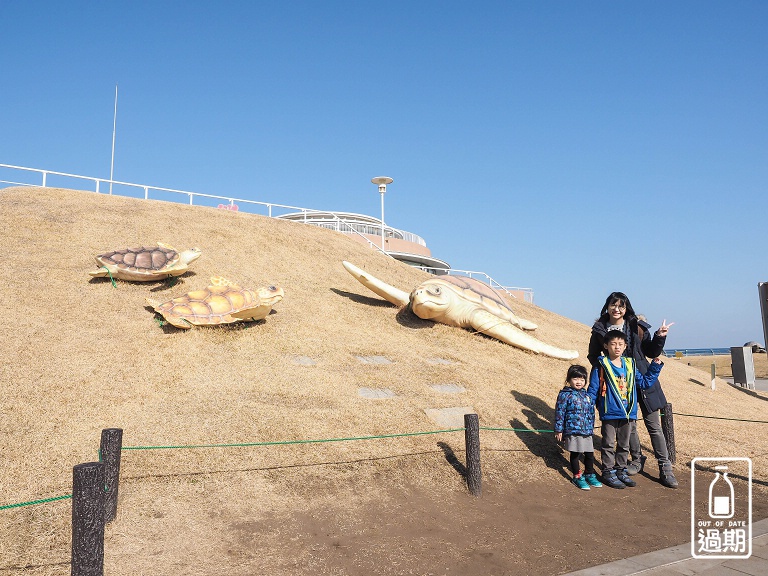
(466, 303)
(146, 263)
(224, 302)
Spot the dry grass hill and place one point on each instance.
(80, 355)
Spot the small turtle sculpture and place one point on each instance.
(146, 263)
(224, 302)
(465, 303)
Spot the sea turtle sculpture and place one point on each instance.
(146, 263)
(466, 303)
(224, 302)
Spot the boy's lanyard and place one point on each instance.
(616, 384)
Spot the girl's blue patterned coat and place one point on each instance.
(574, 412)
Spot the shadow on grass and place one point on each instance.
(406, 317)
(159, 285)
(285, 466)
(360, 299)
(748, 392)
(169, 328)
(541, 444)
(450, 457)
(36, 566)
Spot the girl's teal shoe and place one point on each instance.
(592, 480)
(580, 482)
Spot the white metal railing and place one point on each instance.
(145, 189)
(270, 207)
(331, 223)
(527, 292)
(374, 230)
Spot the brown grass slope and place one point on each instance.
(80, 355)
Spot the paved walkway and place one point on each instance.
(677, 560)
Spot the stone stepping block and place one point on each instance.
(303, 361)
(449, 417)
(374, 359)
(448, 388)
(376, 393)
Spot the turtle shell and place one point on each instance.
(211, 305)
(147, 260)
(477, 292)
(224, 302)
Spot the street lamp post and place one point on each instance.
(382, 182)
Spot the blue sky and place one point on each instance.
(572, 147)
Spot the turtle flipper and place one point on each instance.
(487, 323)
(520, 322)
(389, 293)
(104, 270)
(527, 324)
(178, 321)
(253, 313)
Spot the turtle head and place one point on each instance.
(190, 255)
(270, 295)
(431, 299)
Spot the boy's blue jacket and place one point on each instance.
(574, 412)
(605, 394)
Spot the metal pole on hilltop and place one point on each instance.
(382, 182)
(382, 219)
(114, 129)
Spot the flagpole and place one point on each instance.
(114, 128)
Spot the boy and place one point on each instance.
(612, 385)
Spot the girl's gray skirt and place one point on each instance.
(578, 444)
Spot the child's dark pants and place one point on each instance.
(614, 448)
(589, 462)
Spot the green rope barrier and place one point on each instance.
(33, 502)
(284, 442)
(721, 418)
(114, 284)
(514, 429)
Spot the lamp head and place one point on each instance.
(382, 181)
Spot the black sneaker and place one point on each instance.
(668, 479)
(622, 476)
(610, 479)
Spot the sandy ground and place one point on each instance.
(82, 355)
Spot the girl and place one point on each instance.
(575, 422)
(617, 313)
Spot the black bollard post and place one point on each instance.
(668, 427)
(88, 519)
(111, 445)
(472, 440)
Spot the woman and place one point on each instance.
(618, 314)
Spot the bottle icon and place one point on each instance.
(721, 495)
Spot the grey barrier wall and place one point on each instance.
(762, 289)
(743, 366)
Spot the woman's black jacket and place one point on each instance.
(641, 347)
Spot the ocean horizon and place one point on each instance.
(697, 351)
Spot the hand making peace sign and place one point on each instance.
(664, 328)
